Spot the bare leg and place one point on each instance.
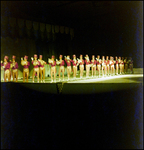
(88, 70)
(59, 73)
(98, 67)
(73, 71)
(9, 77)
(51, 75)
(38, 75)
(16, 76)
(44, 74)
(112, 70)
(116, 69)
(132, 68)
(40, 72)
(105, 70)
(82, 71)
(120, 69)
(95, 70)
(13, 75)
(4, 77)
(54, 74)
(68, 72)
(76, 72)
(92, 71)
(33, 75)
(63, 73)
(123, 68)
(27, 74)
(23, 76)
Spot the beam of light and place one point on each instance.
(106, 78)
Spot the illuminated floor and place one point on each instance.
(129, 78)
(126, 78)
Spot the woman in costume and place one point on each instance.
(81, 66)
(116, 65)
(60, 62)
(36, 65)
(6, 66)
(14, 66)
(131, 65)
(112, 65)
(75, 63)
(98, 61)
(52, 62)
(122, 63)
(87, 62)
(107, 65)
(42, 68)
(68, 62)
(126, 64)
(26, 65)
(93, 67)
(103, 66)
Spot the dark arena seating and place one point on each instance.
(82, 115)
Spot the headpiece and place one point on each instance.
(60, 56)
(6, 57)
(13, 57)
(26, 57)
(35, 55)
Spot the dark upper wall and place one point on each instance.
(113, 29)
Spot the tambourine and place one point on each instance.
(79, 61)
(25, 62)
(57, 62)
(68, 59)
(50, 61)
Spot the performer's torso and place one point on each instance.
(93, 62)
(87, 62)
(68, 62)
(26, 64)
(74, 62)
(14, 65)
(61, 62)
(81, 63)
(6, 65)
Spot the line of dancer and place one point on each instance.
(104, 67)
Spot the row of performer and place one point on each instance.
(108, 66)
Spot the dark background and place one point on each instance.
(108, 119)
(104, 28)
